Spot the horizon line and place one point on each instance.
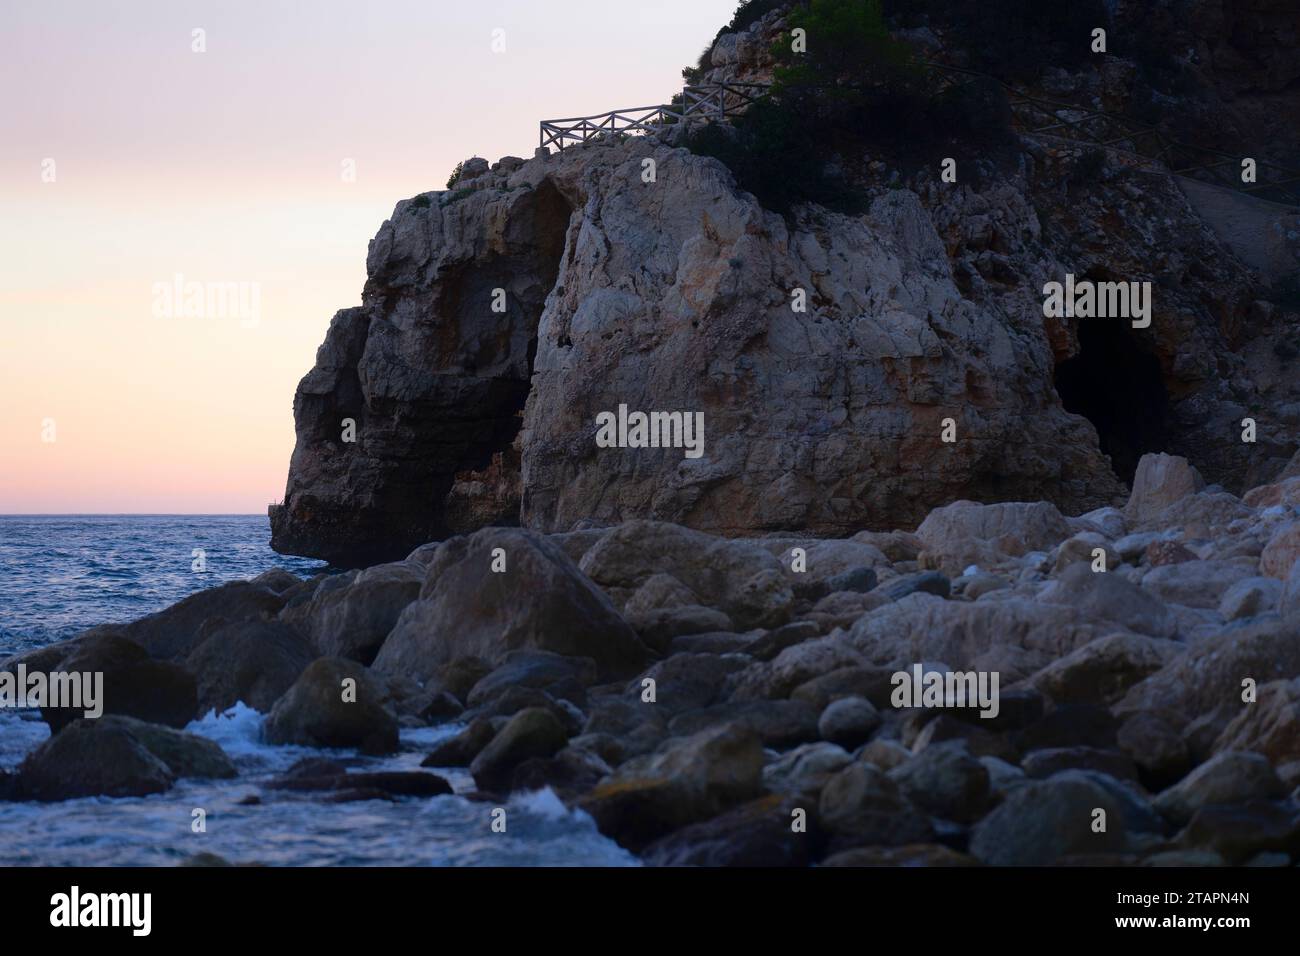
(134, 514)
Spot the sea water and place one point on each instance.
(62, 574)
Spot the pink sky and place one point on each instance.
(226, 166)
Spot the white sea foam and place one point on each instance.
(238, 730)
(544, 803)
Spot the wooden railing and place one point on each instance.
(709, 102)
(1033, 114)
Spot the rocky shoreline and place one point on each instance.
(715, 701)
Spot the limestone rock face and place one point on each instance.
(671, 296)
(500, 318)
(432, 380)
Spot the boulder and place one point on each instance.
(1230, 777)
(1280, 554)
(1163, 552)
(459, 676)
(1133, 547)
(658, 592)
(1290, 600)
(1003, 777)
(926, 728)
(758, 833)
(659, 627)
(894, 545)
(1107, 521)
(1045, 820)
(857, 580)
(1013, 636)
(848, 721)
(965, 532)
(1160, 481)
(537, 669)
(185, 754)
(1103, 670)
(353, 620)
(885, 754)
(805, 770)
(873, 683)
(320, 775)
(569, 774)
(540, 602)
(713, 642)
(977, 585)
(1107, 598)
(578, 542)
(1204, 684)
(686, 780)
(315, 713)
(472, 168)
(90, 759)
(1270, 726)
(278, 580)
(742, 579)
(1208, 514)
(116, 756)
(173, 633)
(1238, 833)
(134, 685)
(686, 681)
(250, 661)
(770, 644)
(1083, 548)
(923, 582)
(862, 805)
(1155, 744)
(778, 723)
(945, 780)
(514, 700)
(792, 667)
(836, 564)
(623, 715)
(534, 732)
(461, 749)
(1195, 583)
(1250, 597)
(1047, 762)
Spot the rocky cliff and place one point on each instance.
(501, 317)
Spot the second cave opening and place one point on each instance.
(1115, 383)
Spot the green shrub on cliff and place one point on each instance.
(1012, 39)
(856, 94)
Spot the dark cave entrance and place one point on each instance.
(1116, 384)
(496, 356)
